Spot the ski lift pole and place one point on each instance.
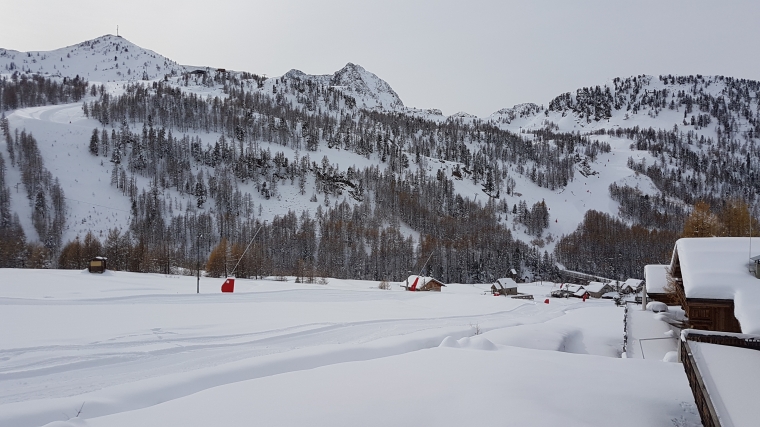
(425, 264)
(246, 248)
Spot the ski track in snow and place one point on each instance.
(160, 347)
(60, 370)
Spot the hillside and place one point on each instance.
(338, 164)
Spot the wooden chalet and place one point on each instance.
(597, 289)
(708, 274)
(97, 265)
(504, 286)
(632, 286)
(420, 283)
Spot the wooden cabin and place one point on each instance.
(504, 286)
(420, 283)
(597, 289)
(632, 286)
(97, 265)
(707, 274)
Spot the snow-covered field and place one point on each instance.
(124, 349)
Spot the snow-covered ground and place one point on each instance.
(125, 349)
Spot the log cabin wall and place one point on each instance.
(712, 315)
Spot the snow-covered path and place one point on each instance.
(123, 343)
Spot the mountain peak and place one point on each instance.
(366, 86)
(105, 58)
(369, 90)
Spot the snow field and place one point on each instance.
(144, 349)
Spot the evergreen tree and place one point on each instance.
(94, 142)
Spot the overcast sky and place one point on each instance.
(473, 56)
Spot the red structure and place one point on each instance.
(228, 285)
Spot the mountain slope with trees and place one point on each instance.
(346, 181)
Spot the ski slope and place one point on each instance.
(131, 349)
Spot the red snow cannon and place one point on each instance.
(228, 285)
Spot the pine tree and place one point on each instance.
(94, 142)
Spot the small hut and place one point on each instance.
(504, 286)
(97, 265)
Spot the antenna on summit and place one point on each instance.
(117, 31)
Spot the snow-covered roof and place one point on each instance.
(632, 283)
(595, 286)
(507, 283)
(715, 267)
(747, 309)
(732, 379)
(580, 292)
(421, 281)
(656, 277)
(571, 288)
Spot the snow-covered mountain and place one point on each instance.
(299, 141)
(369, 90)
(107, 58)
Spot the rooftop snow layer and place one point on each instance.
(632, 283)
(595, 286)
(507, 283)
(747, 309)
(656, 278)
(732, 378)
(716, 267)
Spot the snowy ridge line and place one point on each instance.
(150, 392)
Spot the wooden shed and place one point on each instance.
(97, 265)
